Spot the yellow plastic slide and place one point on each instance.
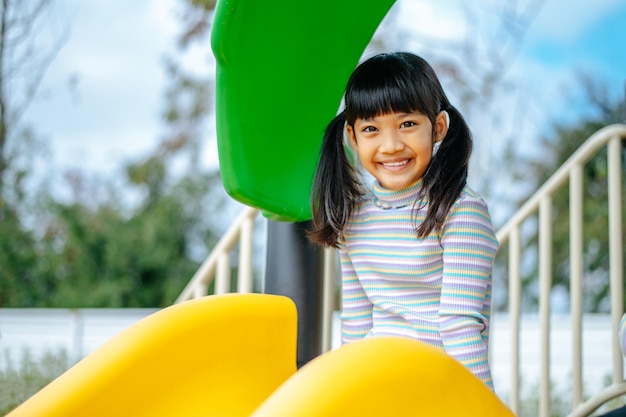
(383, 376)
(215, 356)
(234, 355)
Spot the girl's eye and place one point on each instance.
(369, 129)
(408, 124)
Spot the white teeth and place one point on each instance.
(395, 164)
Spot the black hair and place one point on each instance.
(389, 83)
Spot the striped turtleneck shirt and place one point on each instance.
(435, 289)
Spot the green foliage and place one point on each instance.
(560, 399)
(98, 250)
(137, 243)
(612, 404)
(530, 173)
(17, 256)
(560, 403)
(100, 258)
(20, 381)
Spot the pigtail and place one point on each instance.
(336, 188)
(447, 174)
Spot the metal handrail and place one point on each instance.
(217, 265)
(541, 203)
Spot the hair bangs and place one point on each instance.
(383, 86)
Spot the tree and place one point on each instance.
(24, 59)
(113, 256)
(97, 249)
(530, 172)
(23, 62)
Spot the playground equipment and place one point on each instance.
(280, 75)
(166, 366)
(233, 355)
(281, 71)
(215, 356)
(383, 376)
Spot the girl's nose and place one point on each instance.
(391, 143)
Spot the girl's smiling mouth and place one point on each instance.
(396, 164)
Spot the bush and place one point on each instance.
(20, 380)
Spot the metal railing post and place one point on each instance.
(616, 252)
(515, 291)
(576, 278)
(244, 282)
(545, 284)
(328, 298)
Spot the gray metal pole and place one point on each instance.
(294, 268)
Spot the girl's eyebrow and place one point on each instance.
(398, 115)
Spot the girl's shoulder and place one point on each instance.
(468, 196)
(470, 212)
(471, 203)
(469, 192)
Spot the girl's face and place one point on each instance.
(396, 148)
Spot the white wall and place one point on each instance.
(82, 331)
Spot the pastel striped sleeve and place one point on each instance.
(356, 308)
(469, 247)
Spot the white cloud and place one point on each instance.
(114, 55)
(441, 19)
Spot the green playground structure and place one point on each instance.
(282, 67)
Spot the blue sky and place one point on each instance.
(114, 55)
(599, 41)
(568, 37)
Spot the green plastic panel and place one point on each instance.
(282, 67)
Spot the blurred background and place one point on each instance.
(110, 191)
(110, 188)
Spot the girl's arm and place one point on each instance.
(469, 247)
(356, 308)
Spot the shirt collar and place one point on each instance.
(389, 199)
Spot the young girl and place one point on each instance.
(417, 249)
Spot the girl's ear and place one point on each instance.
(442, 122)
(351, 136)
